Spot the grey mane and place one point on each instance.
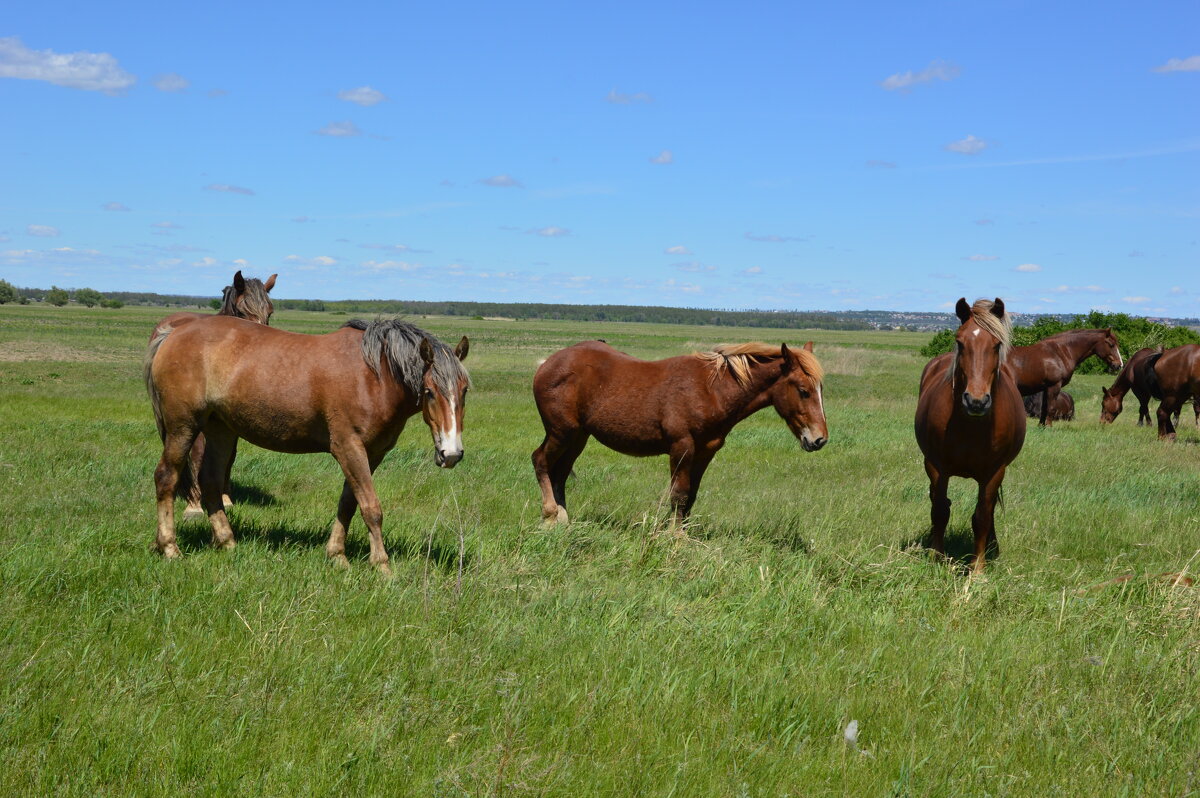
(399, 342)
(256, 301)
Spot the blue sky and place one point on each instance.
(767, 155)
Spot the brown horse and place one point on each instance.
(1063, 410)
(1133, 377)
(348, 393)
(247, 298)
(1047, 366)
(1175, 379)
(682, 407)
(970, 421)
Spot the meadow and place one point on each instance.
(601, 658)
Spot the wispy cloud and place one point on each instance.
(1135, 300)
(880, 165)
(115, 206)
(166, 226)
(937, 70)
(773, 239)
(363, 95)
(550, 232)
(172, 82)
(501, 181)
(390, 266)
(1177, 148)
(310, 264)
(978, 258)
(752, 270)
(389, 247)
(1189, 64)
(666, 156)
(620, 98)
(229, 189)
(968, 146)
(81, 70)
(339, 130)
(694, 266)
(1028, 268)
(678, 249)
(42, 230)
(1079, 289)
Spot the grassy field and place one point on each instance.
(603, 658)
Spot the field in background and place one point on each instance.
(601, 658)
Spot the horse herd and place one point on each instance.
(213, 379)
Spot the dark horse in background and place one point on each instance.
(1047, 366)
(970, 420)
(1139, 376)
(682, 407)
(1175, 378)
(247, 298)
(1063, 410)
(348, 393)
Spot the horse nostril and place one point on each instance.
(819, 442)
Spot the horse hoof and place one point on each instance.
(227, 502)
(339, 561)
(170, 552)
(385, 569)
(225, 545)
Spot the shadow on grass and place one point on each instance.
(960, 546)
(252, 495)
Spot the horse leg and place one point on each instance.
(1196, 407)
(357, 468)
(562, 469)
(681, 459)
(939, 512)
(700, 464)
(195, 509)
(217, 451)
(983, 522)
(166, 477)
(544, 458)
(1166, 408)
(1144, 411)
(335, 549)
(225, 483)
(1049, 395)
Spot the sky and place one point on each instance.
(744, 155)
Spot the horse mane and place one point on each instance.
(998, 328)
(398, 344)
(735, 360)
(256, 301)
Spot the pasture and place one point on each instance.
(602, 658)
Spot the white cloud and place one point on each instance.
(388, 247)
(694, 266)
(41, 230)
(309, 264)
(620, 98)
(968, 146)
(339, 130)
(171, 82)
(982, 257)
(753, 270)
(228, 189)
(1079, 289)
(1177, 290)
(551, 232)
(677, 250)
(207, 262)
(1135, 300)
(166, 226)
(363, 95)
(666, 156)
(501, 181)
(1189, 64)
(81, 70)
(686, 288)
(115, 206)
(937, 70)
(390, 265)
(1028, 267)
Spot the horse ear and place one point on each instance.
(426, 350)
(808, 346)
(998, 308)
(463, 347)
(239, 282)
(962, 310)
(270, 283)
(788, 358)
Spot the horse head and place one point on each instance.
(1109, 350)
(1110, 405)
(443, 402)
(249, 298)
(980, 346)
(797, 397)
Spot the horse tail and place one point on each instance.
(1152, 377)
(160, 335)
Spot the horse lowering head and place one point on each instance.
(797, 397)
(1109, 350)
(443, 400)
(1110, 405)
(980, 347)
(248, 298)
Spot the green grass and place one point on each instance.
(602, 658)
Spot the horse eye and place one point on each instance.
(804, 394)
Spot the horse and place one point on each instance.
(1134, 376)
(1175, 378)
(246, 298)
(682, 407)
(970, 421)
(1063, 410)
(1047, 366)
(348, 392)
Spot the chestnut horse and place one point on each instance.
(970, 421)
(1048, 365)
(1063, 410)
(348, 393)
(1175, 379)
(1134, 376)
(682, 407)
(246, 298)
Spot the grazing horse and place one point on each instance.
(682, 407)
(348, 393)
(970, 421)
(1047, 366)
(1175, 379)
(1134, 376)
(246, 298)
(1063, 410)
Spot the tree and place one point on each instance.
(111, 303)
(88, 296)
(56, 296)
(215, 304)
(8, 292)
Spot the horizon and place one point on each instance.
(768, 159)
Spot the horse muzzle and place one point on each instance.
(445, 459)
(977, 407)
(811, 444)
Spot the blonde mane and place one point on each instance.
(998, 328)
(735, 360)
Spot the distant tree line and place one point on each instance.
(1133, 333)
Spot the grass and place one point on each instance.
(602, 658)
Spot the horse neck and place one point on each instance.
(1080, 345)
(1123, 382)
(743, 401)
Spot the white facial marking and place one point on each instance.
(451, 438)
(974, 332)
